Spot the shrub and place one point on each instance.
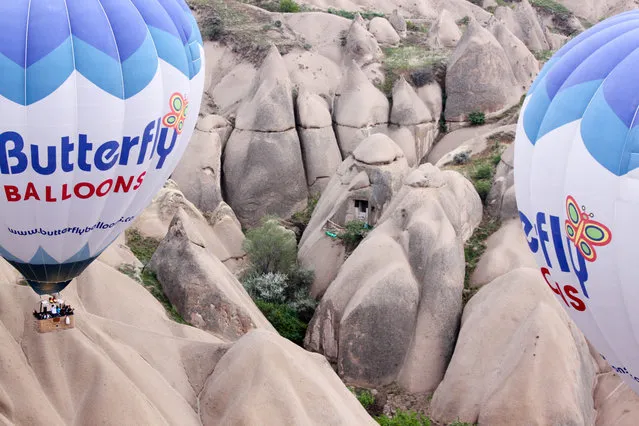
(483, 188)
(285, 321)
(482, 171)
(355, 231)
(461, 158)
(477, 118)
(404, 418)
(141, 246)
(366, 398)
(269, 287)
(289, 6)
(271, 248)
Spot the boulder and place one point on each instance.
(431, 95)
(402, 286)
(371, 181)
(524, 65)
(522, 20)
(515, 340)
(313, 72)
(408, 109)
(359, 110)
(506, 250)
(383, 32)
(398, 23)
(200, 287)
(501, 201)
(307, 390)
(269, 108)
(444, 33)
(263, 171)
(199, 169)
(320, 151)
(361, 46)
(479, 76)
(615, 402)
(220, 228)
(321, 30)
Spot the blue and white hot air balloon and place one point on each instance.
(98, 101)
(577, 184)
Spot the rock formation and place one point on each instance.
(411, 125)
(263, 167)
(524, 65)
(398, 22)
(501, 200)
(444, 33)
(383, 32)
(360, 110)
(320, 151)
(479, 76)
(269, 397)
(198, 173)
(369, 178)
(516, 340)
(202, 290)
(402, 286)
(361, 46)
(522, 20)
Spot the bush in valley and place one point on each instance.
(483, 188)
(404, 418)
(354, 232)
(477, 118)
(271, 248)
(289, 6)
(275, 280)
(285, 320)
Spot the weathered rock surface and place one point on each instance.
(444, 33)
(321, 30)
(411, 125)
(199, 169)
(320, 151)
(402, 285)
(361, 46)
(479, 76)
(262, 164)
(220, 229)
(200, 287)
(501, 200)
(398, 22)
(320, 398)
(360, 110)
(522, 20)
(615, 402)
(431, 95)
(383, 32)
(516, 340)
(372, 174)
(524, 65)
(312, 72)
(506, 250)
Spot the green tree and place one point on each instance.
(271, 248)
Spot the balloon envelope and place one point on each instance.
(577, 184)
(98, 100)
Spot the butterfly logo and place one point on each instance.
(585, 232)
(179, 109)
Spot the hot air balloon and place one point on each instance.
(98, 101)
(577, 184)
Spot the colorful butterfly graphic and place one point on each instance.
(585, 232)
(179, 109)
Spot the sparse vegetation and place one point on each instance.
(364, 396)
(475, 248)
(289, 6)
(351, 15)
(354, 232)
(543, 55)
(552, 7)
(302, 218)
(404, 418)
(143, 248)
(408, 59)
(285, 320)
(477, 118)
(463, 21)
(414, 26)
